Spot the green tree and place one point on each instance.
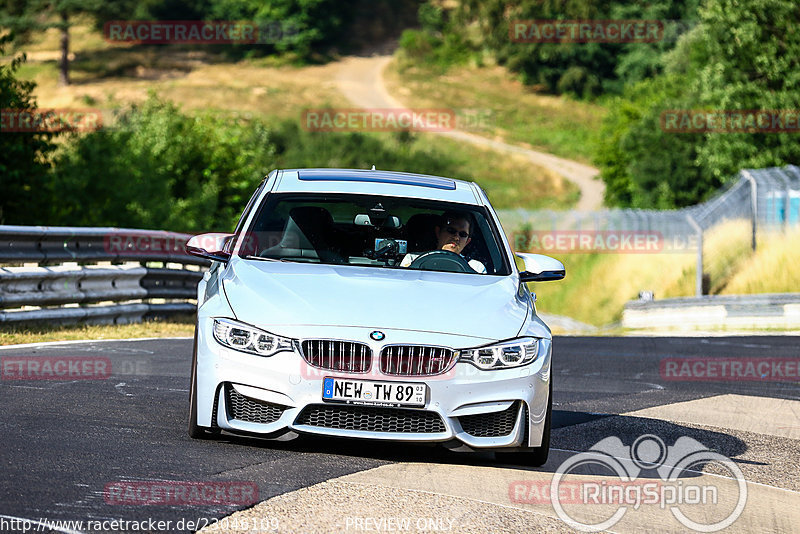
(748, 59)
(582, 69)
(744, 55)
(160, 168)
(24, 156)
(315, 29)
(642, 165)
(23, 17)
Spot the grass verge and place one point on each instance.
(510, 181)
(598, 285)
(175, 327)
(772, 269)
(495, 104)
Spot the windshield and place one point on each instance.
(375, 231)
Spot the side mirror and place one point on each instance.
(540, 268)
(210, 246)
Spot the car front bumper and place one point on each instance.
(281, 396)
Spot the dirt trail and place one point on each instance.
(360, 79)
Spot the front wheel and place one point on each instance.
(196, 431)
(535, 456)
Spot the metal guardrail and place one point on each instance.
(51, 274)
(772, 310)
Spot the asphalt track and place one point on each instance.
(65, 442)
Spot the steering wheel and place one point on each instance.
(442, 260)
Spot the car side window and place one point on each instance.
(249, 207)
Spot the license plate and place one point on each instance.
(372, 392)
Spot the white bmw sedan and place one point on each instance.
(375, 305)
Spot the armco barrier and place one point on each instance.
(779, 310)
(51, 274)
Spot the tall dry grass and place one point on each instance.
(774, 268)
(597, 286)
(726, 248)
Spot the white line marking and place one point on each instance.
(78, 341)
(119, 387)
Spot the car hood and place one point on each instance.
(280, 293)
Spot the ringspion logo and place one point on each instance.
(632, 484)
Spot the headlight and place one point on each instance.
(246, 338)
(513, 353)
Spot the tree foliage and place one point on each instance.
(585, 70)
(743, 55)
(748, 59)
(23, 17)
(161, 168)
(24, 156)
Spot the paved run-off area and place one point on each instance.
(433, 496)
(65, 442)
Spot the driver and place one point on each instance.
(453, 235)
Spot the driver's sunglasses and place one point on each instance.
(452, 231)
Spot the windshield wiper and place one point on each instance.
(260, 258)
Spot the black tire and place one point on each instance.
(196, 431)
(535, 456)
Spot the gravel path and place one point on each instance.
(360, 79)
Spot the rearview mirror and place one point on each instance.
(540, 268)
(213, 246)
(363, 219)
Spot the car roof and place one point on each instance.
(375, 182)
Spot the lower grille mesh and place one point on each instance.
(371, 419)
(251, 410)
(215, 410)
(488, 425)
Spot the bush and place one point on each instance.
(162, 169)
(24, 156)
